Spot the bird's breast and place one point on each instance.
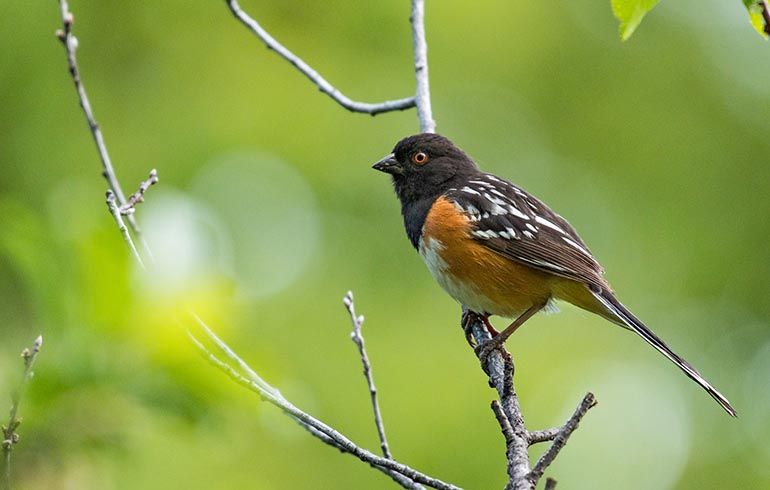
(474, 275)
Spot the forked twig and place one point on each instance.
(358, 339)
(10, 437)
(70, 43)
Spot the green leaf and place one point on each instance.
(758, 16)
(630, 14)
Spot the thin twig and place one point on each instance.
(499, 367)
(544, 435)
(264, 385)
(358, 339)
(70, 43)
(10, 437)
(322, 84)
(112, 205)
(342, 442)
(138, 196)
(508, 435)
(424, 112)
(550, 484)
(589, 401)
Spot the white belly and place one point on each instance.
(463, 293)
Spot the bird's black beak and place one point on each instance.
(389, 165)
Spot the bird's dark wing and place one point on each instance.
(518, 226)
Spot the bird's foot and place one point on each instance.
(469, 317)
(467, 323)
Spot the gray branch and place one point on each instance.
(358, 339)
(498, 365)
(267, 394)
(10, 437)
(589, 401)
(112, 205)
(508, 435)
(404, 475)
(70, 43)
(322, 84)
(424, 112)
(138, 196)
(544, 435)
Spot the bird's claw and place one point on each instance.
(467, 324)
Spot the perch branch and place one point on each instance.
(70, 43)
(358, 339)
(424, 112)
(10, 437)
(498, 364)
(322, 84)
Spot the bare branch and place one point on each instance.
(543, 435)
(498, 365)
(10, 437)
(510, 437)
(138, 196)
(589, 401)
(340, 441)
(322, 84)
(424, 112)
(112, 205)
(402, 474)
(358, 339)
(70, 43)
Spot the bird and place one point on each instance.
(498, 250)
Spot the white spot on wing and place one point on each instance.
(547, 265)
(576, 245)
(512, 209)
(468, 190)
(550, 225)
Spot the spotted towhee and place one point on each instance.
(498, 250)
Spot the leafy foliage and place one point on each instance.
(758, 15)
(630, 14)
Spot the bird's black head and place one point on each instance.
(424, 166)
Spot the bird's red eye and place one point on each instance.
(420, 158)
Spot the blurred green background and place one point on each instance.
(267, 213)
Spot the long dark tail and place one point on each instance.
(626, 318)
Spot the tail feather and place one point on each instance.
(627, 319)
